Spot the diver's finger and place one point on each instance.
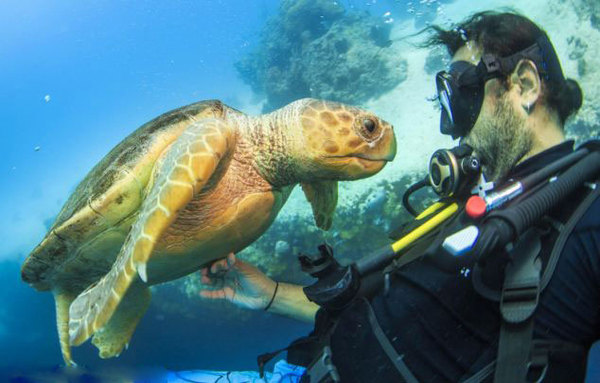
(219, 265)
(229, 293)
(231, 259)
(205, 276)
(213, 294)
(205, 279)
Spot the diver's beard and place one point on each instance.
(500, 141)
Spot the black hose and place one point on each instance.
(413, 188)
(375, 259)
(547, 171)
(504, 226)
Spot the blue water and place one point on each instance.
(75, 78)
(107, 67)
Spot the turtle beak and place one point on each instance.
(383, 149)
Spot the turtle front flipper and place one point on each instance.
(323, 196)
(184, 171)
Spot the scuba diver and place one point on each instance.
(499, 281)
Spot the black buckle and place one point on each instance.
(322, 369)
(519, 302)
(521, 290)
(492, 64)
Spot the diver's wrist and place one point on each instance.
(272, 297)
(291, 301)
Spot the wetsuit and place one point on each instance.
(445, 330)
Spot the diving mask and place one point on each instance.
(461, 89)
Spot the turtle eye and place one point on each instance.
(369, 125)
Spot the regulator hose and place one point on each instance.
(413, 188)
(504, 226)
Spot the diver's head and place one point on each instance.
(342, 142)
(504, 93)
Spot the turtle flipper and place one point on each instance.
(322, 196)
(62, 302)
(187, 166)
(115, 335)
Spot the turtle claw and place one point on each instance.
(141, 269)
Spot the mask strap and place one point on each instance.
(549, 63)
(542, 53)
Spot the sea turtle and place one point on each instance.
(184, 190)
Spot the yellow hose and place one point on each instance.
(435, 207)
(426, 227)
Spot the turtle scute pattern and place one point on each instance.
(187, 166)
(117, 180)
(105, 201)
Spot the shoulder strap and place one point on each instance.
(520, 295)
(522, 287)
(566, 232)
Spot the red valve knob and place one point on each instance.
(476, 207)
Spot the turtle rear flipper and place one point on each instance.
(115, 335)
(187, 166)
(62, 302)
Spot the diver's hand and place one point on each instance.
(238, 282)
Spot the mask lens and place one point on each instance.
(445, 94)
(460, 100)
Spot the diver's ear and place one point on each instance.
(527, 78)
(322, 196)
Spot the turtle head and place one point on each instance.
(343, 142)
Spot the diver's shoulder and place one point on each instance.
(591, 218)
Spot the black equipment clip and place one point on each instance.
(335, 284)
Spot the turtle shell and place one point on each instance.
(88, 232)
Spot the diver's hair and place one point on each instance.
(503, 34)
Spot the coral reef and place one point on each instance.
(318, 49)
(583, 49)
(587, 10)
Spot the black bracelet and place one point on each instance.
(273, 297)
